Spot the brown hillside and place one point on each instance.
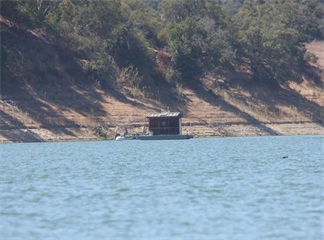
(46, 96)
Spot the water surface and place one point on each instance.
(225, 188)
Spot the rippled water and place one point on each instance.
(226, 188)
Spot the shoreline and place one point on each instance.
(226, 129)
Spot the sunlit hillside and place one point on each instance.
(63, 83)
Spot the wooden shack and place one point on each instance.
(165, 123)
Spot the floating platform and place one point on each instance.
(165, 137)
(155, 137)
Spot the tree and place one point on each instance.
(37, 10)
(195, 34)
(271, 34)
(8, 8)
(175, 11)
(184, 51)
(135, 34)
(89, 26)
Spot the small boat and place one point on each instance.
(123, 138)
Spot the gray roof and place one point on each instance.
(164, 114)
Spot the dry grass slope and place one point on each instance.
(45, 96)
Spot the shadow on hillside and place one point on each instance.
(272, 95)
(314, 74)
(167, 94)
(18, 131)
(45, 109)
(45, 79)
(307, 108)
(213, 99)
(122, 98)
(154, 90)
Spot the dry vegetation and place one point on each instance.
(67, 107)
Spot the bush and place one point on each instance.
(130, 77)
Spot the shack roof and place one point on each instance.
(164, 114)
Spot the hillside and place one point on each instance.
(46, 96)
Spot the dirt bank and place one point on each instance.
(46, 97)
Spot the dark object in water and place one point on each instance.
(285, 157)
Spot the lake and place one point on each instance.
(218, 188)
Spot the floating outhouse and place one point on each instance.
(165, 123)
